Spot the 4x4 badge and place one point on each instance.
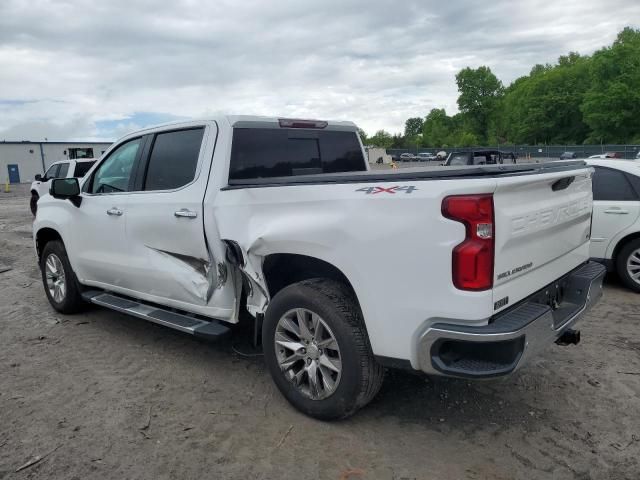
(393, 190)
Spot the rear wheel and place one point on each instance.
(33, 203)
(59, 281)
(628, 265)
(317, 349)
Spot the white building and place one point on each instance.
(378, 155)
(21, 161)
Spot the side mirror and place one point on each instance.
(38, 177)
(66, 188)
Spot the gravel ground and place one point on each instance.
(102, 395)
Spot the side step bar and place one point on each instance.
(195, 326)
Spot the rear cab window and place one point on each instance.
(459, 159)
(285, 152)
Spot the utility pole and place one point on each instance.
(42, 158)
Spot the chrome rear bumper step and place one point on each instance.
(185, 323)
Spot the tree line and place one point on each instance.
(582, 99)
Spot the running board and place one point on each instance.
(185, 323)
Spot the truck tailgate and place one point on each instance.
(542, 229)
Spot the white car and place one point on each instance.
(194, 225)
(62, 169)
(615, 235)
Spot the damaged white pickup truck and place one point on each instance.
(458, 271)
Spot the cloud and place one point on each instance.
(81, 70)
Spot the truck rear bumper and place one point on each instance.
(514, 336)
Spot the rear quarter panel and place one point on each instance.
(393, 245)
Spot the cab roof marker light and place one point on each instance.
(300, 123)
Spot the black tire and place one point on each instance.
(33, 203)
(621, 264)
(72, 301)
(361, 376)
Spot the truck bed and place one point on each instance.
(405, 174)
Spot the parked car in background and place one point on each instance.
(407, 157)
(62, 169)
(607, 155)
(425, 156)
(568, 156)
(615, 234)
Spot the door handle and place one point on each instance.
(617, 211)
(183, 212)
(114, 211)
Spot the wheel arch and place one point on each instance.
(44, 236)
(283, 269)
(621, 244)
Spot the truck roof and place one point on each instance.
(257, 121)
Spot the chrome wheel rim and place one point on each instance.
(56, 282)
(308, 353)
(633, 265)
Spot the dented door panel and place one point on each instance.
(172, 257)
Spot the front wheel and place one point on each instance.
(33, 203)
(59, 281)
(628, 265)
(317, 349)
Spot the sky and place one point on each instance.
(87, 70)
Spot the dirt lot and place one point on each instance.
(102, 395)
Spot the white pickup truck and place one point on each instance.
(62, 169)
(458, 271)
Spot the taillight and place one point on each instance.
(472, 266)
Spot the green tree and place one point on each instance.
(398, 141)
(544, 107)
(436, 128)
(363, 136)
(480, 91)
(413, 127)
(611, 106)
(578, 99)
(381, 139)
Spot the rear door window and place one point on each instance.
(62, 172)
(285, 152)
(174, 159)
(82, 168)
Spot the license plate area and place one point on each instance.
(564, 296)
